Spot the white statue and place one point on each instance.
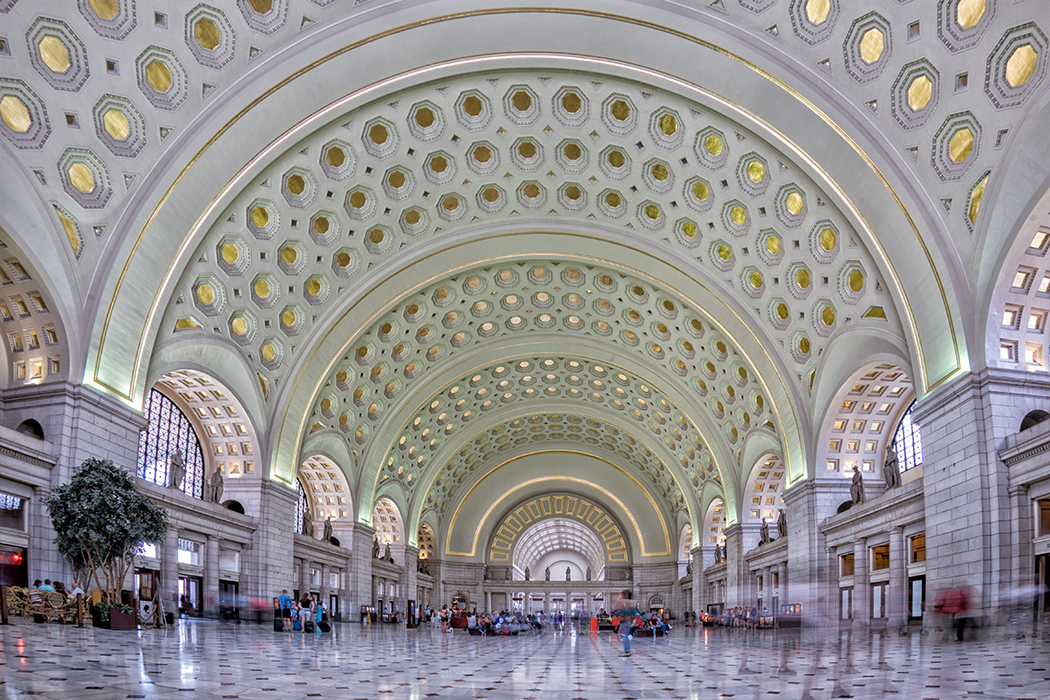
(176, 470)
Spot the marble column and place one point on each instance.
(782, 583)
(323, 590)
(861, 588)
(767, 588)
(1022, 567)
(736, 567)
(409, 579)
(169, 570)
(361, 587)
(348, 610)
(304, 577)
(699, 583)
(488, 601)
(547, 603)
(897, 593)
(210, 602)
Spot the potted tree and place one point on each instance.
(101, 519)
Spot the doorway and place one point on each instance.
(190, 596)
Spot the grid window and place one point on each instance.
(907, 442)
(169, 432)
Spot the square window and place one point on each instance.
(918, 548)
(880, 557)
(846, 565)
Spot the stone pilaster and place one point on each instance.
(409, 576)
(807, 504)
(363, 590)
(897, 598)
(210, 594)
(274, 539)
(861, 587)
(699, 580)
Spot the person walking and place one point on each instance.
(628, 612)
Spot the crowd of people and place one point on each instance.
(304, 615)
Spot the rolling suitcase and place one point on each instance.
(309, 626)
(324, 626)
(297, 626)
(278, 625)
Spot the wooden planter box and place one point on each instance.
(117, 620)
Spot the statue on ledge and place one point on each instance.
(327, 536)
(177, 470)
(506, 574)
(719, 555)
(782, 523)
(856, 489)
(423, 567)
(375, 547)
(308, 525)
(892, 469)
(763, 533)
(568, 573)
(216, 486)
(588, 573)
(528, 575)
(387, 556)
(547, 574)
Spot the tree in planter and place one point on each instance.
(101, 519)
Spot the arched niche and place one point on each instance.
(685, 549)
(596, 481)
(226, 432)
(860, 423)
(557, 541)
(329, 494)
(387, 522)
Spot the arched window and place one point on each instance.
(907, 442)
(169, 431)
(302, 506)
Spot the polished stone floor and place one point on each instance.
(206, 659)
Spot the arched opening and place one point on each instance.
(907, 442)
(714, 531)
(1034, 418)
(426, 541)
(764, 496)
(685, 547)
(235, 506)
(862, 425)
(31, 428)
(329, 494)
(389, 527)
(168, 444)
(568, 548)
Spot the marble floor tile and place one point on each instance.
(205, 659)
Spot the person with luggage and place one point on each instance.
(306, 614)
(284, 605)
(322, 620)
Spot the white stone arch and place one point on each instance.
(714, 524)
(556, 542)
(763, 495)
(37, 345)
(860, 422)
(1017, 334)
(426, 541)
(1014, 204)
(685, 548)
(388, 523)
(330, 495)
(225, 430)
